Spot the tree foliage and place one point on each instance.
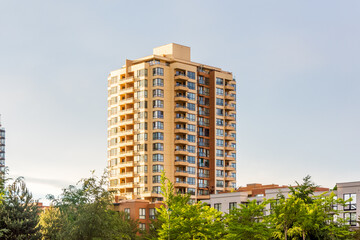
(19, 213)
(184, 220)
(84, 213)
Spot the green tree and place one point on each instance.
(85, 213)
(183, 220)
(19, 213)
(247, 222)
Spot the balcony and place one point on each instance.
(229, 97)
(229, 148)
(126, 164)
(229, 157)
(230, 107)
(127, 154)
(127, 80)
(181, 184)
(127, 111)
(229, 168)
(229, 127)
(181, 87)
(181, 141)
(181, 173)
(126, 175)
(125, 101)
(181, 120)
(127, 121)
(230, 117)
(181, 109)
(181, 163)
(181, 99)
(229, 87)
(181, 152)
(127, 185)
(126, 90)
(181, 77)
(181, 130)
(229, 138)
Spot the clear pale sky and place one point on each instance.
(296, 64)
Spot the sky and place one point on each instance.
(296, 65)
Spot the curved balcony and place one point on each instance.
(229, 148)
(229, 87)
(181, 77)
(181, 130)
(181, 99)
(230, 118)
(181, 173)
(229, 107)
(181, 120)
(181, 152)
(181, 163)
(229, 138)
(229, 157)
(181, 88)
(229, 97)
(181, 109)
(181, 184)
(229, 127)
(181, 141)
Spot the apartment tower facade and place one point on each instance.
(167, 113)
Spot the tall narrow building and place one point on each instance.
(2, 150)
(167, 113)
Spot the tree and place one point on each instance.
(19, 213)
(247, 222)
(183, 220)
(85, 213)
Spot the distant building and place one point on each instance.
(228, 200)
(168, 113)
(2, 150)
(143, 211)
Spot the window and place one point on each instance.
(191, 85)
(220, 173)
(219, 183)
(191, 106)
(141, 137)
(219, 112)
(219, 91)
(158, 147)
(156, 179)
(351, 205)
(232, 205)
(158, 168)
(141, 147)
(158, 93)
(219, 163)
(141, 73)
(191, 75)
(142, 104)
(191, 170)
(142, 115)
(219, 122)
(141, 126)
(191, 96)
(219, 102)
(158, 71)
(204, 91)
(217, 206)
(191, 149)
(191, 128)
(142, 226)
(158, 125)
(158, 104)
(158, 82)
(191, 117)
(127, 210)
(158, 114)
(156, 189)
(191, 138)
(219, 153)
(142, 213)
(350, 218)
(191, 180)
(190, 159)
(158, 136)
(191, 191)
(142, 94)
(158, 157)
(152, 213)
(219, 81)
(141, 83)
(219, 142)
(220, 132)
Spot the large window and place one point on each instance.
(220, 132)
(232, 205)
(191, 180)
(217, 206)
(156, 189)
(158, 71)
(158, 147)
(158, 82)
(156, 179)
(152, 213)
(219, 81)
(191, 128)
(219, 142)
(142, 226)
(191, 96)
(191, 106)
(351, 204)
(142, 213)
(219, 91)
(219, 101)
(158, 136)
(350, 218)
(158, 168)
(219, 183)
(191, 138)
(158, 93)
(191, 75)
(158, 114)
(158, 104)
(191, 85)
(158, 125)
(158, 157)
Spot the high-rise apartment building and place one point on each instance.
(167, 113)
(2, 150)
